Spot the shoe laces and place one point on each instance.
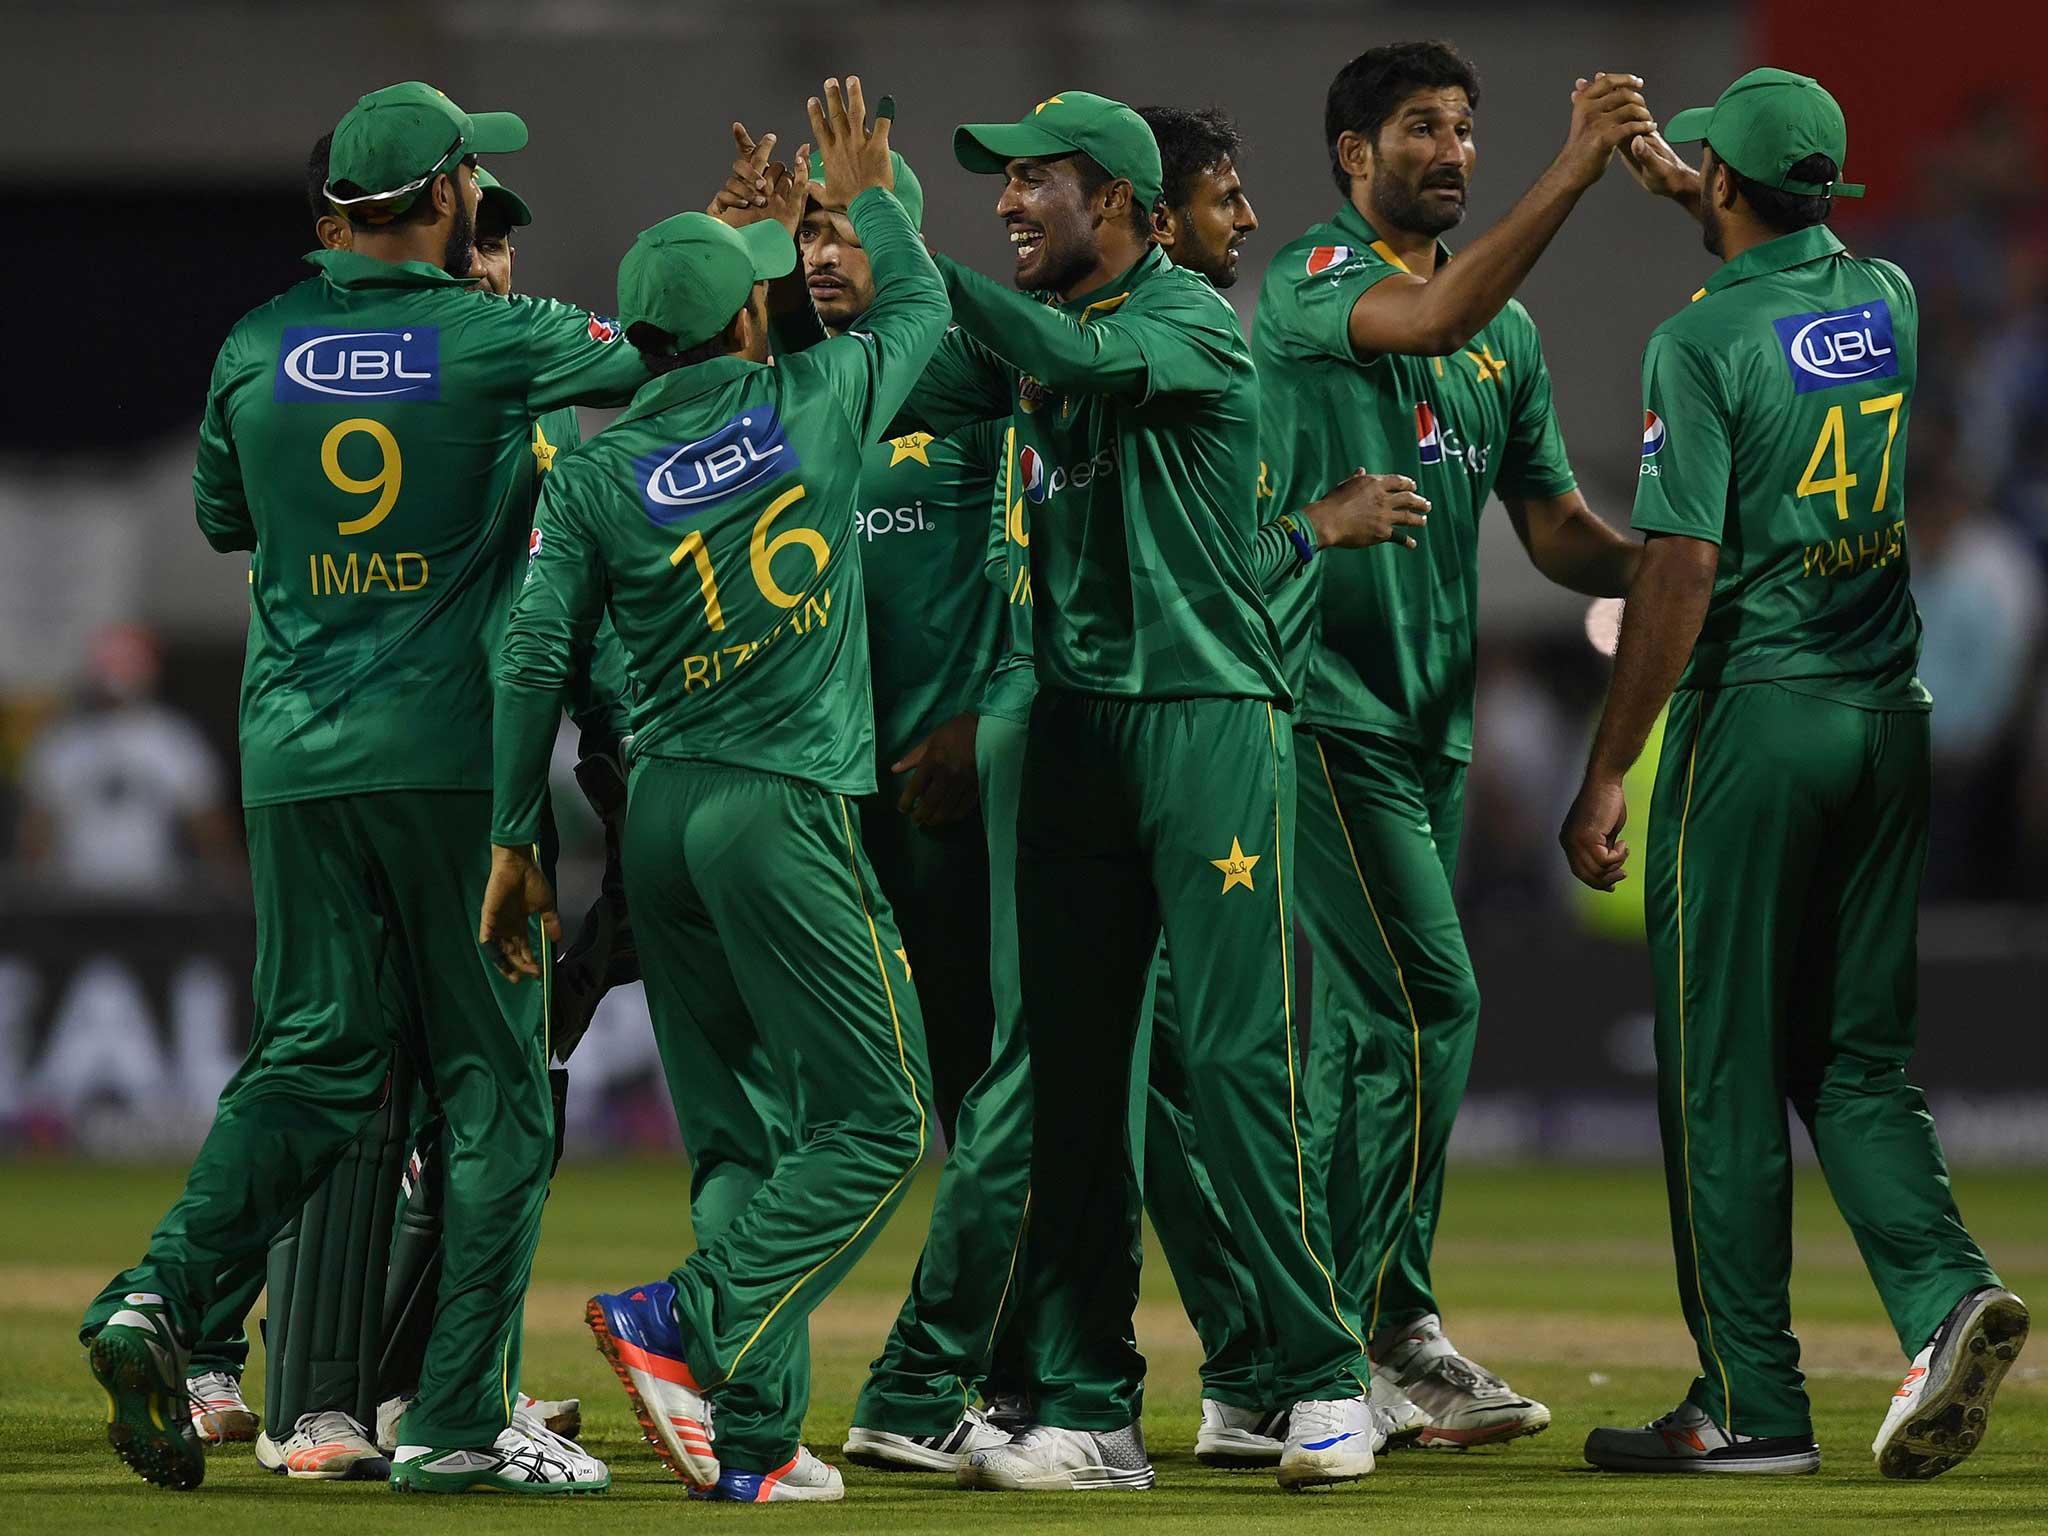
(1313, 1419)
(209, 1385)
(329, 1424)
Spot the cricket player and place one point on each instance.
(1788, 827)
(1156, 785)
(1374, 347)
(761, 929)
(364, 438)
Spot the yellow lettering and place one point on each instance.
(1833, 435)
(761, 551)
(343, 580)
(417, 559)
(1871, 553)
(693, 548)
(815, 612)
(375, 572)
(695, 669)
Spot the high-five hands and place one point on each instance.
(1608, 111)
(855, 157)
(760, 188)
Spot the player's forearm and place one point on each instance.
(1275, 555)
(910, 311)
(1586, 555)
(1037, 339)
(1666, 606)
(522, 744)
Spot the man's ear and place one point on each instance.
(1116, 202)
(333, 233)
(447, 195)
(1724, 189)
(1165, 226)
(1354, 153)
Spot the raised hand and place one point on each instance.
(1607, 112)
(1657, 169)
(1363, 510)
(759, 187)
(855, 157)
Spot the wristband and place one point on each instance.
(1304, 544)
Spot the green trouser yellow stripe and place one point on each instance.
(1397, 1008)
(1781, 885)
(946, 1336)
(762, 938)
(1138, 816)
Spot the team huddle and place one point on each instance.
(978, 683)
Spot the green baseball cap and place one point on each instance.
(1766, 123)
(691, 274)
(909, 190)
(510, 203)
(394, 141)
(1108, 132)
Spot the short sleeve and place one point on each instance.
(1683, 484)
(1534, 462)
(1312, 294)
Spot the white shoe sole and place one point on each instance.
(1320, 1469)
(886, 1452)
(1804, 1461)
(1949, 1421)
(671, 1416)
(1463, 1437)
(1083, 1480)
(1237, 1449)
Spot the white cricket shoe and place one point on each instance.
(328, 1446)
(924, 1453)
(1687, 1440)
(1400, 1418)
(1466, 1403)
(390, 1413)
(1240, 1437)
(218, 1411)
(1941, 1410)
(1045, 1457)
(517, 1462)
(803, 1477)
(1329, 1440)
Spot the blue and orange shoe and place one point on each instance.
(803, 1476)
(636, 1332)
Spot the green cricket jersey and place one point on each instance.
(1774, 425)
(934, 623)
(1383, 639)
(715, 521)
(369, 436)
(1135, 409)
(1013, 680)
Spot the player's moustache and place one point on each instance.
(1455, 180)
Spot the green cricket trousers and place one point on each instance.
(1396, 1005)
(1787, 837)
(1138, 816)
(794, 1049)
(358, 896)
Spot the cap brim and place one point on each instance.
(988, 148)
(1689, 126)
(494, 133)
(511, 204)
(770, 249)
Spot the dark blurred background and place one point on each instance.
(151, 190)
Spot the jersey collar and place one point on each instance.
(681, 384)
(1794, 250)
(351, 269)
(1102, 300)
(1352, 222)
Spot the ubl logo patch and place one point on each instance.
(685, 478)
(316, 362)
(1844, 346)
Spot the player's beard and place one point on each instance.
(460, 252)
(1399, 206)
(1710, 223)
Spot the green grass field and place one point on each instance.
(1561, 1279)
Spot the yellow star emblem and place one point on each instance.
(1490, 368)
(1237, 869)
(911, 447)
(543, 451)
(1050, 101)
(904, 956)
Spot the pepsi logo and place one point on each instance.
(605, 330)
(1429, 438)
(533, 545)
(1324, 257)
(1031, 467)
(1653, 433)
